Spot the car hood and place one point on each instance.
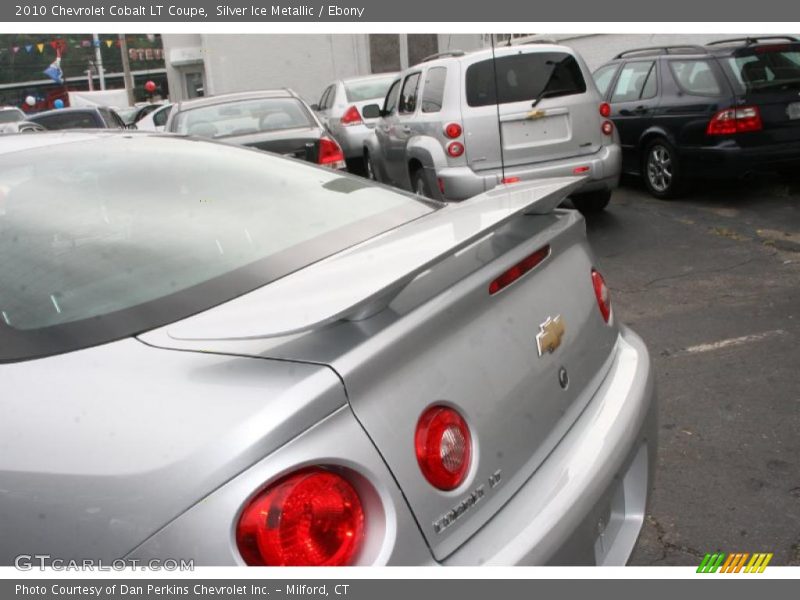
(102, 447)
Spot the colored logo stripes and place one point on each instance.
(735, 562)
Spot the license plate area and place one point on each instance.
(523, 133)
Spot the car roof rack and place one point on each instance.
(443, 55)
(749, 41)
(658, 50)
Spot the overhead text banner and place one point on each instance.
(199, 11)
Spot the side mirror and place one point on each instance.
(371, 111)
(315, 106)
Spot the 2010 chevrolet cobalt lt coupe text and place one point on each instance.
(213, 353)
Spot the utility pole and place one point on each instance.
(126, 68)
(98, 60)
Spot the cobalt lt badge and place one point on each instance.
(550, 333)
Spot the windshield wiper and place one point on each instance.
(545, 92)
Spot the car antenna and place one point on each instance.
(497, 107)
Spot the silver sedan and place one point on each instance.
(216, 354)
(341, 110)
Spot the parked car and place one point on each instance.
(340, 108)
(155, 120)
(444, 134)
(724, 110)
(95, 117)
(133, 114)
(274, 120)
(21, 127)
(8, 116)
(260, 361)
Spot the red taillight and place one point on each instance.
(735, 120)
(518, 270)
(607, 127)
(605, 110)
(508, 180)
(581, 170)
(602, 295)
(310, 518)
(452, 130)
(330, 154)
(351, 117)
(444, 446)
(455, 149)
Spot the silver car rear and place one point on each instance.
(443, 133)
(340, 109)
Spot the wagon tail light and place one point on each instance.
(607, 127)
(735, 120)
(330, 154)
(312, 517)
(443, 445)
(453, 130)
(605, 110)
(602, 295)
(351, 117)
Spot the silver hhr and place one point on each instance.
(340, 109)
(459, 124)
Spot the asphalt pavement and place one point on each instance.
(712, 283)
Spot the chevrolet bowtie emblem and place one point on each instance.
(550, 334)
(536, 114)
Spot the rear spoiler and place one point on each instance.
(361, 281)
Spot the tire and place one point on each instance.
(369, 167)
(661, 171)
(592, 202)
(356, 166)
(419, 184)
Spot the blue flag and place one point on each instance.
(54, 71)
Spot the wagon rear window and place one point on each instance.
(109, 237)
(522, 77)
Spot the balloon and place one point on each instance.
(30, 101)
(59, 103)
(150, 87)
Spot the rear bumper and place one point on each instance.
(586, 503)
(604, 166)
(732, 160)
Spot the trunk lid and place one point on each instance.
(444, 339)
(289, 142)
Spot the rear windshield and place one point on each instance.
(765, 69)
(104, 238)
(370, 89)
(243, 117)
(68, 120)
(524, 77)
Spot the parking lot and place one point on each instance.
(712, 283)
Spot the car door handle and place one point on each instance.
(627, 112)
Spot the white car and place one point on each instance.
(156, 120)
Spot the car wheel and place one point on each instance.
(420, 184)
(661, 171)
(369, 168)
(356, 166)
(592, 202)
